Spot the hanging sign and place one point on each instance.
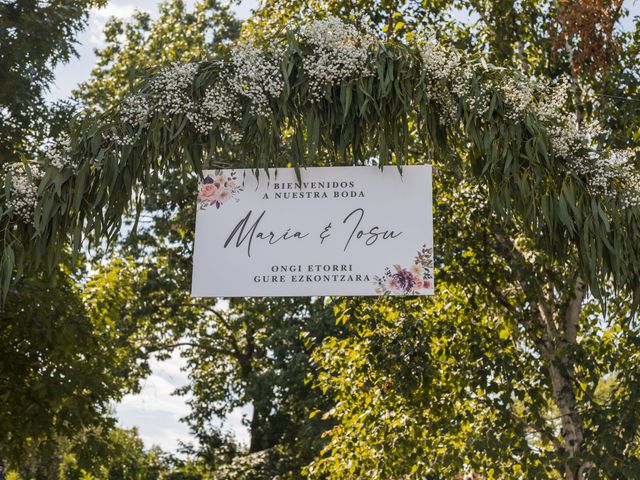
(336, 231)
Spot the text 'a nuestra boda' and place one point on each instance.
(313, 190)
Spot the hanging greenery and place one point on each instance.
(334, 93)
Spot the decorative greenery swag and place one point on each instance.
(333, 93)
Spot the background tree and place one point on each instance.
(257, 353)
(545, 40)
(66, 354)
(138, 45)
(548, 306)
(103, 452)
(538, 235)
(35, 38)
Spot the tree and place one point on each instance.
(61, 361)
(35, 37)
(434, 389)
(101, 452)
(112, 454)
(543, 41)
(66, 354)
(257, 353)
(139, 45)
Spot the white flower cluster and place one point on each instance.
(135, 110)
(58, 153)
(253, 74)
(170, 88)
(614, 172)
(562, 127)
(439, 62)
(480, 102)
(450, 75)
(121, 139)
(518, 95)
(169, 95)
(256, 75)
(23, 196)
(340, 52)
(220, 104)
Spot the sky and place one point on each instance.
(155, 411)
(69, 75)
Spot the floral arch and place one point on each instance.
(335, 92)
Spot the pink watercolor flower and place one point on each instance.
(215, 191)
(223, 195)
(209, 192)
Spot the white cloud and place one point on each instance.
(98, 18)
(233, 424)
(156, 411)
(113, 9)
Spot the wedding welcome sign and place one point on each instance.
(334, 231)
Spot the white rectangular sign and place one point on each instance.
(337, 231)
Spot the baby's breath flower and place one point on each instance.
(562, 127)
(170, 88)
(58, 153)
(256, 75)
(221, 105)
(518, 95)
(614, 173)
(119, 138)
(439, 62)
(340, 52)
(23, 195)
(449, 76)
(135, 111)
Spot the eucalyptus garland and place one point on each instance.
(334, 93)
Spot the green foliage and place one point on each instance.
(510, 372)
(64, 356)
(430, 390)
(61, 360)
(113, 454)
(433, 389)
(517, 35)
(35, 37)
(243, 353)
(256, 353)
(103, 453)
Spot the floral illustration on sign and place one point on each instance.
(408, 280)
(217, 189)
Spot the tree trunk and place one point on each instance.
(560, 336)
(571, 421)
